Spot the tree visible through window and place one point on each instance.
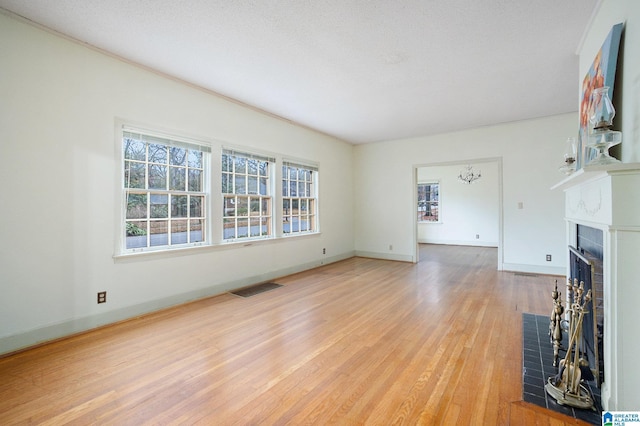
(165, 195)
(247, 202)
(298, 198)
(428, 202)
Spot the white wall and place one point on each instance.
(466, 211)
(59, 102)
(531, 153)
(623, 395)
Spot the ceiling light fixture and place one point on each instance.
(468, 176)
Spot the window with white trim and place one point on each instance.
(429, 202)
(246, 191)
(299, 198)
(165, 192)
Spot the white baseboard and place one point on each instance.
(385, 256)
(474, 243)
(534, 269)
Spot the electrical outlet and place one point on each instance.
(324, 251)
(548, 258)
(102, 297)
(477, 236)
(390, 247)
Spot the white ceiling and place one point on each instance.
(361, 70)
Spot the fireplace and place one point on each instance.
(585, 267)
(602, 213)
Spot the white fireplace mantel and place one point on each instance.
(608, 198)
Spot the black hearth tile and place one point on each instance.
(533, 390)
(546, 359)
(553, 405)
(531, 357)
(532, 370)
(533, 382)
(589, 416)
(546, 345)
(535, 399)
(529, 365)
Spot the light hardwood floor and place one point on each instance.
(361, 341)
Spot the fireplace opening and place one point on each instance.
(586, 266)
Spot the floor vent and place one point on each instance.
(255, 289)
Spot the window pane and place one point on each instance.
(179, 206)
(243, 228)
(196, 203)
(195, 180)
(177, 156)
(196, 229)
(227, 163)
(253, 166)
(133, 174)
(255, 230)
(301, 189)
(229, 206)
(428, 195)
(265, 225)
(255, 207)
(229, 228)
(159, 233)
(266, 206)
(241, 165)
(136, 206)
(176, 178)
(195, 159)
(159, 206)
(253, 185)
(263, 186)
(293, 189)
(157, 153)
(242, 207)
(240, 185)
(179, 232)
(307, 190)
(157, 176)
(136, 234)
(304, 223)
(285, 188)
(134, 150)
(294, 206)
(264, 168)
(227, 183)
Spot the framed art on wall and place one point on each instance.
(601, 73)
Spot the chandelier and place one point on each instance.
(468, 176)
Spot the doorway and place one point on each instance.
(469, 214)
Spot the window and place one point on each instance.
(246, 191)
(299, 199)
(164, 191)
(429, 202)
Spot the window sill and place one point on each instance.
(187, 251)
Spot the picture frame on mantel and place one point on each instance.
(601, 73)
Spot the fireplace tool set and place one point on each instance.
(567, 386)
